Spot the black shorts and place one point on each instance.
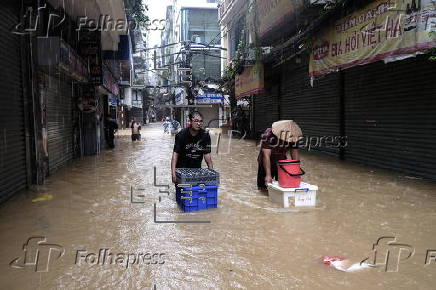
(136, 137)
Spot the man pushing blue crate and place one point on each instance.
(191, 145)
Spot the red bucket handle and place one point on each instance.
(290, 174)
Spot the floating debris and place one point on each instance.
(344, 265)
(44, 197)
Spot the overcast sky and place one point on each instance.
(156, 10)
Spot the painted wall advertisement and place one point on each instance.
(384, 30)
(250, 82)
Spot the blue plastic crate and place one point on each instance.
(196, 198)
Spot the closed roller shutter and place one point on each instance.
(390, 115)
(60, 122)
(266, 105)
(13, 173)
(265, 112)
(316, 109)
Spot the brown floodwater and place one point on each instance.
(250, 242)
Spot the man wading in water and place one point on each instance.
(191, 145)
(275, 143)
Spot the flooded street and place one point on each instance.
(85, 211)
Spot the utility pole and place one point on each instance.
(187, 72)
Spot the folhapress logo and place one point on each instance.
(388, 253)
(38, 254)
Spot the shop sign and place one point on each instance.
(250, 82)
(55, 54)
(384, 30)
(109, 82)
(209, 99)
(90, 49)
(87, 101)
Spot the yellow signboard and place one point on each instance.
(250, 82)
(271, 13)
(383, 30)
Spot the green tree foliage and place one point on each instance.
(136, 10)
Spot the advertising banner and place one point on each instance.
(384, 30)
(250, 82)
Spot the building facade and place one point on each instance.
(67, 63)
(191, 60)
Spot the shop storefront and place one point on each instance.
(373, 89)
(250, 115)
(61, 73)
(14, 126)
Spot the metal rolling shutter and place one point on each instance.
(390, 113)
(266, 111)
(316, 109)
(60, 122)
(266, 105)
(13, 176)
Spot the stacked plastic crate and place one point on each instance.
(197, 188)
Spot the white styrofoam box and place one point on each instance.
(305, 195)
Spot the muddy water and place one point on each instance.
(250, 243)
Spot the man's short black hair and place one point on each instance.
(193, 114)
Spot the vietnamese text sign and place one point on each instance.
(383, 30)
(209, 99)
(250, 82)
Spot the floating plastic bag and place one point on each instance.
(343, 264)
(43, 197)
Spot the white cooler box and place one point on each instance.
(305, 195)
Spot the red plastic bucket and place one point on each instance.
(290, 173)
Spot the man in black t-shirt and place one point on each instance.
(191, 145)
